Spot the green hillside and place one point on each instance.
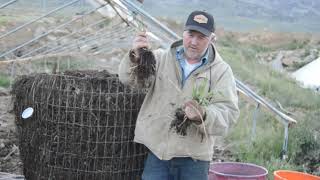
(304, 143)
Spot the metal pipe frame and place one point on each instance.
(254, 121)
(74, 41)
(75, 44)
(104, 37)
(63, 37)
(285, 141)
(48, 32)
(165, 39)
(284, 118)
(166, 34)
(37, 19)
(106, 42)
(7, 4)
(146, 15)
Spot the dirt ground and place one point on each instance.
(9, 153)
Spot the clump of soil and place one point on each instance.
(82, 126)
(180, 124)
(146, 63)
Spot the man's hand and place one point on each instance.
(140, 41)
(194, 111)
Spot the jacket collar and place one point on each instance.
(213, 59)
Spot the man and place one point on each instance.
(180, 69)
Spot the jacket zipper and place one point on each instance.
(201, 67)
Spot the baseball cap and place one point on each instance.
(200, 21)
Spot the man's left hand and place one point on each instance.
(194, 111)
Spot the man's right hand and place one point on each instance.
(140, 41)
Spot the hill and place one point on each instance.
(290, 15)
(234, 15)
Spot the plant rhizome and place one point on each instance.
(146, 63)
(181, 123)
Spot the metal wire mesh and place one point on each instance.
(41, 6)
(82, 126)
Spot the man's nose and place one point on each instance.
(194, 41)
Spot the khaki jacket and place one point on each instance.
(166, 94)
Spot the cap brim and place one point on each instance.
(199, 29)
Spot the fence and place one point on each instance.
(82, 126)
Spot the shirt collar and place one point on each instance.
(180, 56)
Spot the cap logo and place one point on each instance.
(200, 19)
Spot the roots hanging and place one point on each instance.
(180, 124)
(146, 63)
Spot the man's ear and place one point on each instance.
(213, 37)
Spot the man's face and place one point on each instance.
(195, 44)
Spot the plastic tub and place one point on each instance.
(293, 175)
(237, 171)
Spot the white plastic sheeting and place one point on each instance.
(309, 75)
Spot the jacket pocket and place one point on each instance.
(203, 80)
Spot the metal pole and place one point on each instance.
(63, 37)
(105, 48)
(75, 41)
(7, 4)
(254, 122)
(105, 44)
(75, 45)
(284, 117)
(44, 5)
(82, 4)
(30, 22)
(285, 142)
(12, 72)
(45, 34)
(155, 21)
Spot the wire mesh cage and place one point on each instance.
(82, 126)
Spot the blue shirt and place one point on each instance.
(185, 66)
